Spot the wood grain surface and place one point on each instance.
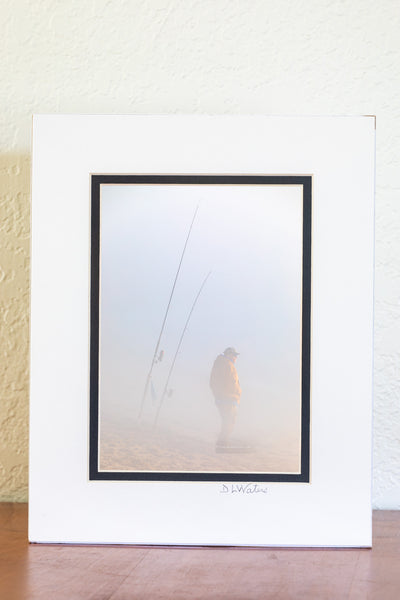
(61, 572)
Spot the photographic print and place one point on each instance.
(193, 281)
(200, 327)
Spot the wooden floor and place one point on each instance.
(141, 573)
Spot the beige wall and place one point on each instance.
(14, 323)
(204, 56)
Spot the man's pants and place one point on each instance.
(227, 409)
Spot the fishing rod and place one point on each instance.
(178, 348)
(146, 387)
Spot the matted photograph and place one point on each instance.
(200, 327)
(202, 330)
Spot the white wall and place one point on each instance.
(205, 56)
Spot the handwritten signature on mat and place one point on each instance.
(243, 488)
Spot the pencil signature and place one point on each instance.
(243, 488)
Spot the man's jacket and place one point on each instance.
(224, 380)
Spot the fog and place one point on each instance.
(250, 238)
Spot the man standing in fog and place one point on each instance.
(224, 383)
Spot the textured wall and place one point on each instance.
(205, 56)
(14, 325)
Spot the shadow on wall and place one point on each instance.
(14, 325)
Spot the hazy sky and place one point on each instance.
(250, 237)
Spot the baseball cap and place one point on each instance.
(231, 350)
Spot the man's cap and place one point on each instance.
(231, 350)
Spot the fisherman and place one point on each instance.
(224, 383)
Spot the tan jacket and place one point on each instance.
(224, 380)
